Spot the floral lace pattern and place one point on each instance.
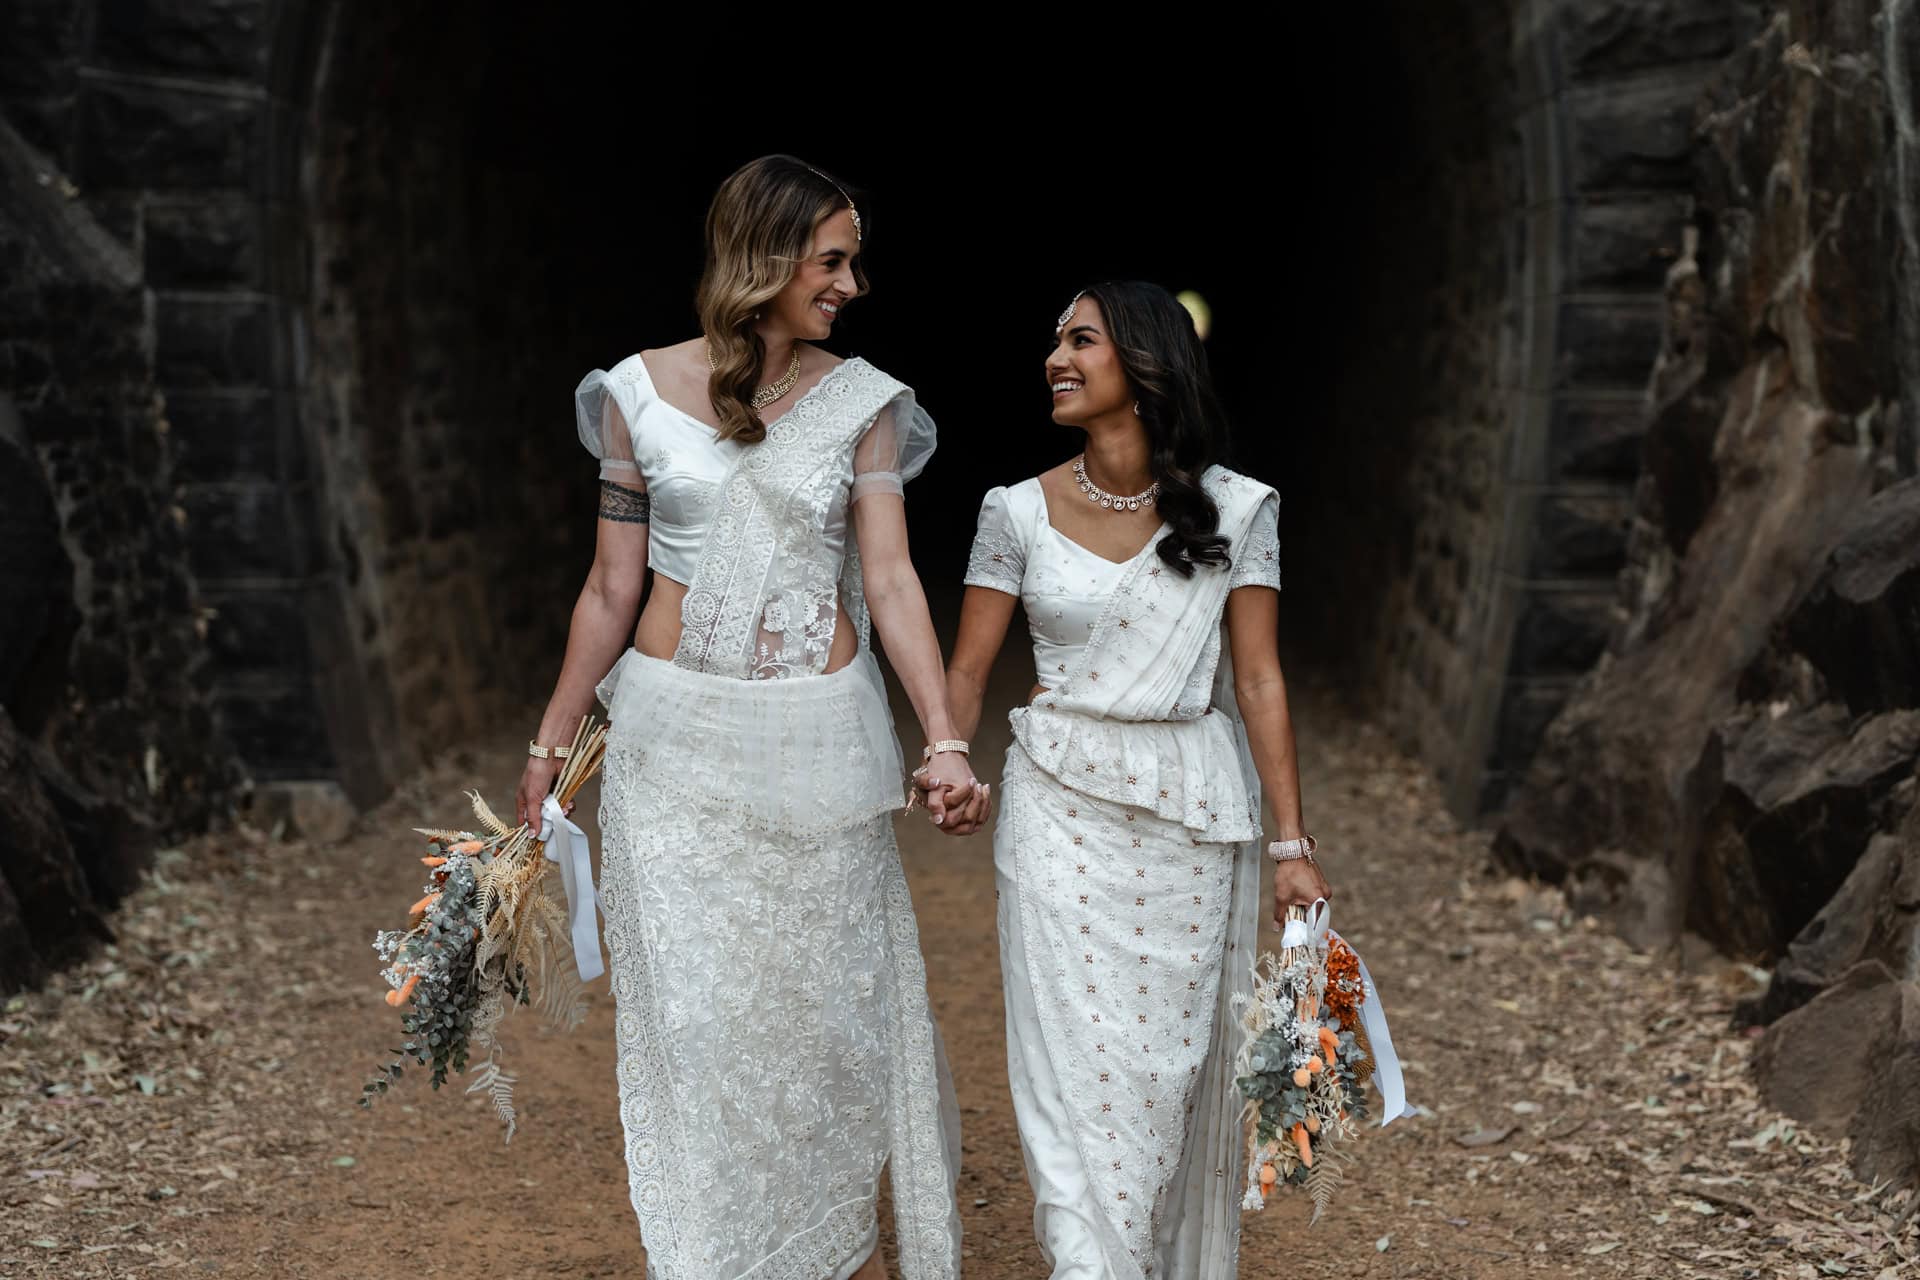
(799, 757)
(765, 595)
(1256, 561)
(998, 559)
(774, 1041)
(775, 1045)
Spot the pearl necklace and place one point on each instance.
(1112, 502)
(773, 390)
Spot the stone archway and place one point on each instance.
(339, 331)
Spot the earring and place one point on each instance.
(1136, 408)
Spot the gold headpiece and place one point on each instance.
(851, 207)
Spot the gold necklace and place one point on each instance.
(1112, 501)
(773, 390)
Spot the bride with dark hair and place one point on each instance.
(775, 1046)
(1126, 852)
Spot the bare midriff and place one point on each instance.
(658, 634)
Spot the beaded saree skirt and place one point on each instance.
(1122, 938)
(775, 1046)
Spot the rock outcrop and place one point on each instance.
(1741, 763)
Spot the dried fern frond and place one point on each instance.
(1324, 1179)
(486, 815)
(497, 1084)
(558, 993)
(442, 835)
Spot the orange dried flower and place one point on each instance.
(1345, 991)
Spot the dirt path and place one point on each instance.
(186, 1102)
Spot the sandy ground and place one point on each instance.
(186, 1102)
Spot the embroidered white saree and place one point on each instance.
(775, 1044)
(1129, 871)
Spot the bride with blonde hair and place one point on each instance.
(775, 1045)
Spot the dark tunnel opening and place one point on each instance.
(562, 230)
(484, 238)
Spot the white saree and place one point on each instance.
(775, 1046)
(1128, 860)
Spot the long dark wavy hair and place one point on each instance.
(1167, 368)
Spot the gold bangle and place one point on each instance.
(945, 744)
(539, 752)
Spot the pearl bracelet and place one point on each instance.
(539, 752)
(945, 744)
(1289, 850)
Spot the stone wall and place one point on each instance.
(1528, 251)
(1741, 765)
(284, 519)
(108, 741)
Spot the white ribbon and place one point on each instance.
(1311, 932)
(1386, 1063)
(576, 873)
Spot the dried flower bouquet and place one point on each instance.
(492, 931)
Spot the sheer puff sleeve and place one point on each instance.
(1256, 561)
(999, 557)
(604, 406)
(894, 449)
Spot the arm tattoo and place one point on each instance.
(624, 505)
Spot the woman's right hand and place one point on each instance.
(536, 784)
(1297, 882)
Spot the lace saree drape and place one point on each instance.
(775, 1046)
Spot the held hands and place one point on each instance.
(956, 801)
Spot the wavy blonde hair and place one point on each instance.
(759, 229)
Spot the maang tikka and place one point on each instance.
(851, 207)
(1060, 325)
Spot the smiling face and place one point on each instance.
(1084, 370)
(823, 282)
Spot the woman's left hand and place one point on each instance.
(1297, 882)
(965, 818)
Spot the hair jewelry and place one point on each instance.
(851, 208)
(1067, 315)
